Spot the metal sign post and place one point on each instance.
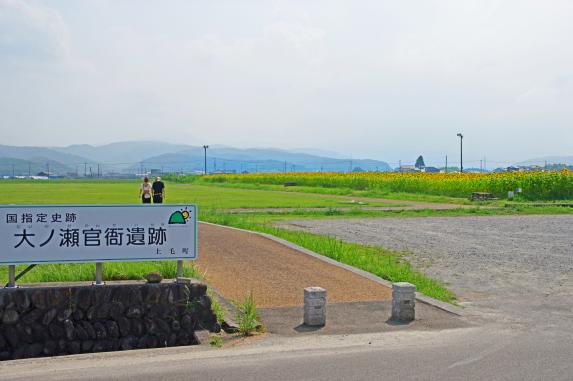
(179, 269)
(11, 276)
(99, 275)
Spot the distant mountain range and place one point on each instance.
(567, 160)
(135, 158)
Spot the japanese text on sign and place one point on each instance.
(84, 233)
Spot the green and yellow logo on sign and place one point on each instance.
(179, 217)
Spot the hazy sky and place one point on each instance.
(380, 79)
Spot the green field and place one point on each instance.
(339, 191)
(215, 202)
(127, 192)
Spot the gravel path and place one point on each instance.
(236, 263)
(520, 265)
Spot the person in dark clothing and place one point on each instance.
(158, 191)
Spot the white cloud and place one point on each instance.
(373, 78)
(31, 33)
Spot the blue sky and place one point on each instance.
(380, 79)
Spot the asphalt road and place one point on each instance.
(463, 354)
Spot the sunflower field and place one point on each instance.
(534, 185)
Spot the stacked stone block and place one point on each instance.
(50, 321)
(314, 306)
(403, 302)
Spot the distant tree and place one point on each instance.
(420, 162)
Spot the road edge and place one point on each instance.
(419, 297)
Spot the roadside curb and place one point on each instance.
(420, 297)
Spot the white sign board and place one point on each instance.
(96, 233)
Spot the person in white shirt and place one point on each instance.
(145, 191)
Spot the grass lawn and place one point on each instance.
(127, 192)
(270, 216)
(86, 271)
(341, 192)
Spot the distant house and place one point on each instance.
(408, 169)
(430, 170)
(512, 169)
(533, 168)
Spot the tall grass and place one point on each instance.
(247, 316)
(111, 271)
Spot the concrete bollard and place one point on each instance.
(403, 302)
(314, 306)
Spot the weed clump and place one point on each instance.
(216, 340)
(248, 316)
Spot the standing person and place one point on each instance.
(145, 191)
(158, 191)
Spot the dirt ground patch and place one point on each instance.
(236, 263)
(391, 205)
(521, 265)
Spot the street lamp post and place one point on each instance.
(461, 152)
(205, 148)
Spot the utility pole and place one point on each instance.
(481, 166)
(214, 164)
(48, 168)
(85, 169)
(461, 152)
(205, 149)
(98, 173)
(446, 163)
(13, 171)
(285, 166)
(400, 165)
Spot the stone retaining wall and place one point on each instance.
(48, 321)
